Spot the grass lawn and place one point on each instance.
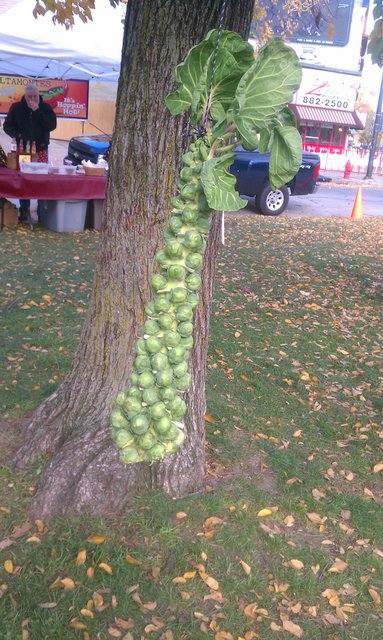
(286, 540)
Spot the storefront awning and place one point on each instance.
(321, 115)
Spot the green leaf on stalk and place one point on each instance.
(265, 89)
(189, 75)
(219, 185)
(265, 140)
(286, 156)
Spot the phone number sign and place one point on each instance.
(333, 91)
(68, 98)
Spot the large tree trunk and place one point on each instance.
(72, 427)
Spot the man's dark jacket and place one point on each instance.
(30, 126)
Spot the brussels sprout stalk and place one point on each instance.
(147, 421)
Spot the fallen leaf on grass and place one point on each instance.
(75, 623)
(105, 567)
(296, 564)
(292, 628)
(264, 512)
(375, 596)
(338, 567)
(211, 582)
(181, 515)
(114, 632)
(124, 624)
(245, 567)
(5, 542)
(47, 605)
(132, 560)
(81, 557)
(67, 583)
(378, 467)
(8, 566)
(96, 539)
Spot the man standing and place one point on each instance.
(31, 120)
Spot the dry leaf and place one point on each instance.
(87, 613)
(105, 567)
(132, 560)
(40, 526)
(223, 635)
(81, 557)
(8, 566)
(289, 521)
(264, 512)
(75, 623)
(156, 571)
(209, 418)
(375, 596)
(212, 521)
(47, 605)
(5, 542)
(292, 628)
(338, 567)
(124, 624)
(114, 632)
(378, 467)
(96, 539)
(67, 583)
(275, 627)
(90, 573)
(33, 538)
(181, 515)
(245, 567)
(211, 582)
(316, 518)
(296, 564)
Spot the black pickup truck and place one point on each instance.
(249, 167)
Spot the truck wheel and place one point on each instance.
(272, 203)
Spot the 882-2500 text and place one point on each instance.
(320, 101)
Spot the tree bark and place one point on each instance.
(83, 470)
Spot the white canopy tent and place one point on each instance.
(37, 48)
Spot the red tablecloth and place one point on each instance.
(14, 184)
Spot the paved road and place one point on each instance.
(335, 200)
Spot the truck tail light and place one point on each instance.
(316, 171)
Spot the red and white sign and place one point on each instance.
(326, 89)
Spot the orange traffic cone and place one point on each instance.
(356, 213)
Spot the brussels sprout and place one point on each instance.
(187, 343)
(159, 361)
(172, 338)
(151, 327)
(193, 282)
(164, 378)
(146, 379)
(184, 312)
(132, 406)
(179, 439)
(158, 282)
(178, 295)
(134, 392)
(161, 302)
(180, 369)
(139, 424)
(123, 438)
(147, 440)
(157, 410)
(189, 192)
(177, 407)
(167, 394)
(194, 261)
(193, 299)
(118, 419)
(185, 329)
(193, 239)
(186, 174)
(155, 453)
(189, 215)
(177, 202)
(171, 433)
(183, 383)
(163, 425)
(203, 152)
(175, 224)
(162, 257)
(165, 320)
(153, 344)
(203, 206)
(141, 347)
(174, 248)
(188, 159)
(176, 272)
(203, 226)
(134, 378)
(176, 355)
(150, 395)
(141, 363)
(120, 400)
(129, 455)
(150, 310)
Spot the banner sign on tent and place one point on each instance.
(68, 98)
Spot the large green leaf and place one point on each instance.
(197, 80)
(190, 74)
(286, 156)
(266, 89)
(219, 185)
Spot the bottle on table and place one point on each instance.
(14, 145)
(20, 148)
(28, 147)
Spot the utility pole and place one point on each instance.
(377, 128)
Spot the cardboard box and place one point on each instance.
(63, 215)
(11, 213)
